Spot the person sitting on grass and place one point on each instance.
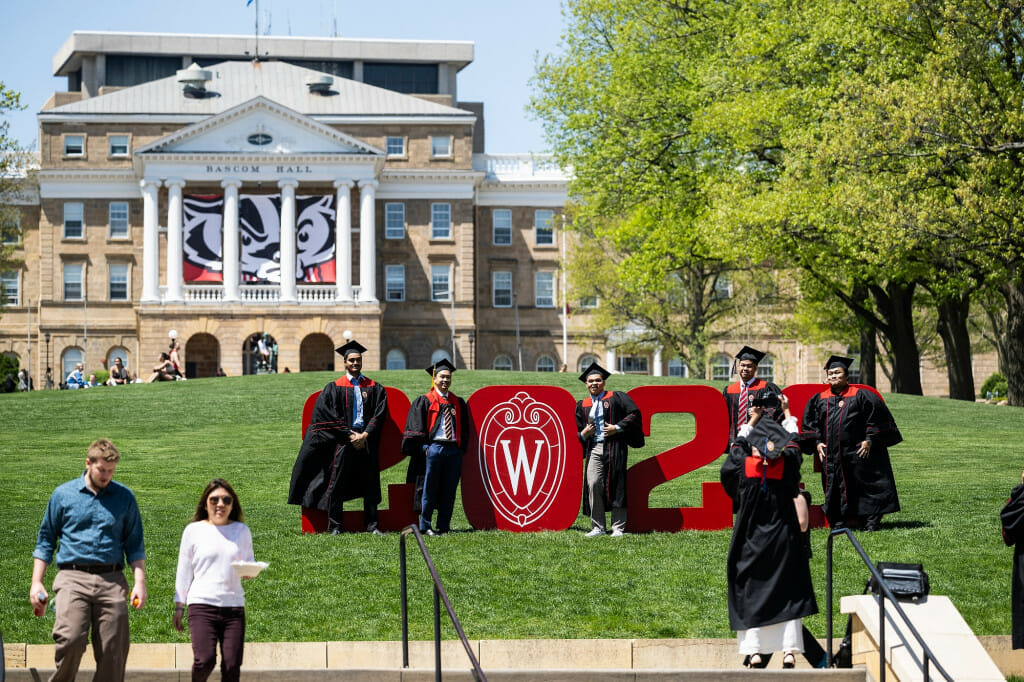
(75, 378)
(162, 370)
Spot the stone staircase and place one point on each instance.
(577, 660)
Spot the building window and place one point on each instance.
(10, 230)
(678, 368)
(439, 275)
(501, 219)
(71, 357)
(441, 221)
(73, 281)
(9, 284)
(394, 146)
(117, 353)
(545, 363)
(722, 288)
(74, 220)
(118, 281)
(502, 362)
(766, 369)
(441, 146)
(74, 145)
(118, 145)
(394, 282)
(721, 368)
(585, 361)
(440, 354)
(632, 364)
(502, 284)
(118, 219)
(394, 221)
(395, 359)
(588, 302)
(544, 226)
(544, 289)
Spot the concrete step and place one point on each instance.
(399, 675)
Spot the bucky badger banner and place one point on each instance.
(259, 217)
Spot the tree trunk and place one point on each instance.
(956, 341)
(898, 303)
(868, 357)
(1013, 340)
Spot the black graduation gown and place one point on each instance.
(768, 573)
(620, 410)
(1012, 518)
(731, 393)
(853, 486)
(418, 428)
(328, 467)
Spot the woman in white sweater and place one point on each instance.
(209, 586)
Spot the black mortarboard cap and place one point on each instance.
(769, 437)
(748, 353)
(349, 348)
(594, 368)
(838, 361)
(442, 364)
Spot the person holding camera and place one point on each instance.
(769, 577)
(749, 392)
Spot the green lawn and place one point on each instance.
(954, 471)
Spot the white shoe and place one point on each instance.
(617, 533)
(594, 533)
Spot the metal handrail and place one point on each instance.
(886, 594)
(439, 596)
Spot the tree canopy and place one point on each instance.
(873, 149)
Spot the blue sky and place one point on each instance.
(507, 36)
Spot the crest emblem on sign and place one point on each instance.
(522, 451)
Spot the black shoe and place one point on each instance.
(758, 661)
(789, 661)
(873, 523)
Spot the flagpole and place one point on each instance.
(565, 309)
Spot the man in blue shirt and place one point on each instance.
(94, 525)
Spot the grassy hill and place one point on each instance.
(954, 471)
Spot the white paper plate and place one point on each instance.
(248, 569)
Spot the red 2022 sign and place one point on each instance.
(523, 468)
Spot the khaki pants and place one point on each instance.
(597, 481)
(87, 601)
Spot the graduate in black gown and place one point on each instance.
(741, 395)
(850, 430)
(435, 438)
(608, 423)
(339, 458)
(770, 587)
(1012, 518)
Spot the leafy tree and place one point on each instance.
(13, 163)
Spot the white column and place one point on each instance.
(343, 239)
(657, 362)
(367, 241)
(288, 290)
(175, 270)
(609, 360)
(229, 253)
(150, 241)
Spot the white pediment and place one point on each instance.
(259, 126)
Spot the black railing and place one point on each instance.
(439, 596)
(927, 654)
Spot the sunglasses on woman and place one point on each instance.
(226, 499)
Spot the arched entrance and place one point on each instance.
(202, 356)
(316, 354)
(259, 354)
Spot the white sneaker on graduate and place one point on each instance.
(595, 532)
(616, 533)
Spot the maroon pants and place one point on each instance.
(208, 625)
